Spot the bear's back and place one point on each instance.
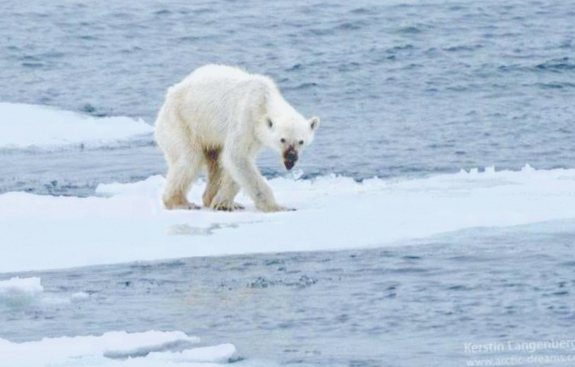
(215, 71)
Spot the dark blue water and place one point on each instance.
(406, 306)
(404, 88)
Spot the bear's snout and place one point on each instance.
(290, 157)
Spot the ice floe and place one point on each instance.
(19, 292)
(128, 223)
(27, 126)
(150, 348)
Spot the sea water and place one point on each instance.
(404, 89)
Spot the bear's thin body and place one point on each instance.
(219, 117)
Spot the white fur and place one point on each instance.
(219, 117)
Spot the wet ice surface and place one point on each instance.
(127, 222)
(403, 87)
(408, 306)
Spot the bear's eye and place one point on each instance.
(301, 142)
(282, 140)
(270, 123)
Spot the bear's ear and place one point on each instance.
(314, 122)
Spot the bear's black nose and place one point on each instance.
(290, 157)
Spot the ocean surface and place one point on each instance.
(404, 89)
(417, 305)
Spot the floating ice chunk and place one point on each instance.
(295, 174)
(150, 348)
(124, 345)
(19, 285)
(25, 126)
(20, 291)
(214, 354)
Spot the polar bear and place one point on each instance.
(219, 117)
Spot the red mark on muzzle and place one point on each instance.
(290, 157)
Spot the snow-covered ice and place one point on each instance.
(128, 223)
(25, 126)
(122, 349)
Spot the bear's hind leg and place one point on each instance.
(220, 188)
(180, 176)
(214, 179)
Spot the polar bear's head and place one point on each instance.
(288, 134)
(280, 126)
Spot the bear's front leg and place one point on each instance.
(224, 198)
(248, 176)
(269, 207)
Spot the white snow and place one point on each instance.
(26, 126)
(145, 349)
(128, 222)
